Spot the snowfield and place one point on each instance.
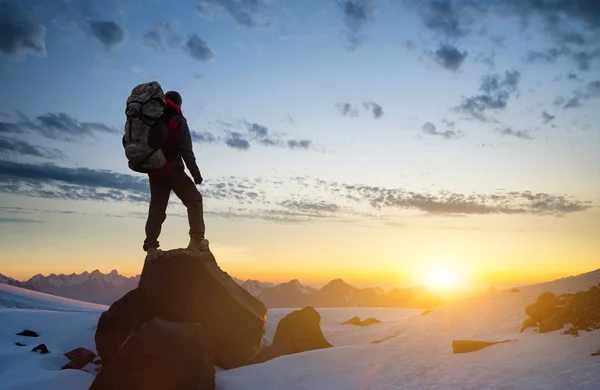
(415, 352)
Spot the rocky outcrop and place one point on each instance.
(79, 358)
(187, 287)
(357, 322)
(161, 355)
(299, 331)
(28, 333)
(551, 313)
(42, 349)
(466, 346)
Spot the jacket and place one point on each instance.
(178, 147)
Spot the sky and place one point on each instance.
(371, 140)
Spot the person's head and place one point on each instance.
(175, 97)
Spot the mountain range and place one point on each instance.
(102, 288)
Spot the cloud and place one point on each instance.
(356, 13)
(257, 130)
(19, 35)
(18, 220)
(247, 13)
(441, 17)
(237, 141)
(299, 144)
(451, 133)
(60, 127)
(581, 58)
(347, 109)
(161, 37)
(198, 49)
(22, 148)
(204, 137)
(496, 90)
(449, 57)
(376, 109)
(591, 91)
(137, 69)
(107, 32)
(524, 134)
(352, 200)
(547, 117)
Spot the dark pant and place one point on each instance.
(186, 191)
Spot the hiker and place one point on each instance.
(177, 150)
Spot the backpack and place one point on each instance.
(146, 129)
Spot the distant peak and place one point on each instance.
(114, 272)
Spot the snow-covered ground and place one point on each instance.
(415, 354)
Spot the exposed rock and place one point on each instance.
(543, 307)
(352, 321)
(551, 324)
(123, 318)
(299, 331)
(356, 321)
(79, 358)
(514, 290)
(382, 340)
(188, 287)
(28, 333)
(466, 346)
(427, 312)
(528, 323)
(596, 354)
(547, 299)
(42, 349)
(161, 355)
(20, 344)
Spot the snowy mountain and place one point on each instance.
(8, 280)
(290, 294)
(93, 287)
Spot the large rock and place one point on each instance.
(124, 317)
(299, 331)
(528, 323)
(543, 307)
(79, 357)
(183, 286)
(551, 324)
(466, 346)
(161, 355)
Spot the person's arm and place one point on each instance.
(186, 151)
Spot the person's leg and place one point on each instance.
(160, 190)
(186, 190)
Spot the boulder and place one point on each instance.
(188, 287)
(28, 333)
(551, 324)
(20, 344)
(299, 331)
(42, 349)
(466, 346)
(528, 323)
(352, 321)
(79, 358)
(161, 355)
(547, 299)
(115, 325)
(543, 307)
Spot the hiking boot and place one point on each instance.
(198, 245)
(153, 253)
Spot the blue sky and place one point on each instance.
(390, 125)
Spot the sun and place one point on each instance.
(443, 278)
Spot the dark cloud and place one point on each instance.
(60, 127)
(204, 137)
(19, 35)
(107, 32)
(449, 57)
(198, 49)
(559, 101)
(444, 17)
(590, 91)
(573, 76)
(495, 92)
(247, 13)
(161, 37)
(375, 109)
(581, 58)
(430, 129)
(347, 109)
(356, 13)
(299, 144)
(509, 131)
(19, 147)
(257, 130)
(547, 117)
(237, 141)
